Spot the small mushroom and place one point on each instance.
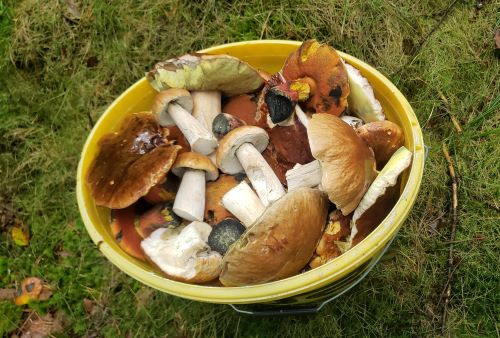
(174, 106)
(195, 170)
(224, 234)
(125, 233)
(130, 161)
(384, 137)
(243, 203)
(280, 243)
(214, 209)
(160, 216)
(224, 123)
(380, 197)
(347, 163)
(241, 149)
(183, 253)
(362, 101)
(338, 229)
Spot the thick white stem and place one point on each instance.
(201, 140)
(303, 118)
(206, 106)
(307, 175)
(263, 179)
(243, 203)
(190, 199)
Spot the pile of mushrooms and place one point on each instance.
(236, 177)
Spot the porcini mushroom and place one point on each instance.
(378, 200)
(183, 253)
(362, 101)
(347, 163)
(174, 106)
(208, 76)
(241, 149)
(307, 175)
(195, 170)
(160, 216)
(224, 123)
(124, 231)
(243, 203)
(130, 161)
(384, 137)
(280, 243)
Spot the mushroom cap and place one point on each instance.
(386, 178)
(160, 104)
(226, 158)
(130, 161)
(197, 71)
(362, 101)
(224, 234)
(347, 163)
(280, 242)
(320, 67)
(214, 209)
(192, 160)
(384, 137)
(183, 253)
(124, 231)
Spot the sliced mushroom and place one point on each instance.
(380, 197)
(241, 149)
(174, 106)
(280, 243)
(183, 253)
(384, 137)
(130, 161)
(243, 203)
(224, 123)
(125, 232)
(347, 163)
(195, 170)
(362, 101)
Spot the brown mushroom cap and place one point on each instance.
(226, 153)
(347, 163)
(197, 71)
(125, 233)
(192, 160)
(214, 209)
(280, 243)
(384, 137)
(130, 161)
(319, 67)
(244, 107)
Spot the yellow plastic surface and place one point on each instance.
(267, 55)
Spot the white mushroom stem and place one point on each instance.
(303, 118)
(243, 203)
(307, 175)
(263, 179)
(190, 199)
(200, 139)
(206, 106)
(354, 122)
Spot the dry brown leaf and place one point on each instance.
(40, 327)
(7, 294)
(33, 288)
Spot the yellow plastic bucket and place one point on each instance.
(325, 282)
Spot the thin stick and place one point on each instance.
(454, 206)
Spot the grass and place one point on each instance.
(59, 70)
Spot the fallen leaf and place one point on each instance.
(39, 327)
(143, 296)
(32, 288)
(20, 236)
(7, 294)
(90, 306)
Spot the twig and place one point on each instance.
(454, 205)
(452, 117)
